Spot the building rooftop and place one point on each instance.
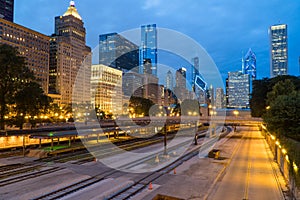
(72, 11)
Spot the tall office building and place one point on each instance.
(180, 89)
(211, 93)
(148, 49)
(169, 80)
(219, 102)
(7, 10)
(118, 52)
(32, 45)
(195, 71)
(106, 89)
(68, 55)
(249, 64)
(181, 77)
(278, 50)
(238, 90)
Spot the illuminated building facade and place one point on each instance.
(148, 49)
(7, 10)
(106, 89)
(118, 52)
(249, 64)
(278, 50)
(32, 45)
(70, 56)
(238, 90)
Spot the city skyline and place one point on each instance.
(239, 31)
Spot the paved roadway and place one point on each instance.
(249, 175)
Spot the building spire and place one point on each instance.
(72, 11)
(72, 3)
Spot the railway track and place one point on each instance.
(128, 191)
(35, 174)
(10, 174)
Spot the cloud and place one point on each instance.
(151, 4)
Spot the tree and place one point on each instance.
(31, 101)
(261, 88)
(285, 87)
(140, 105)
(258, 99)
(283, 115)
(13, 74)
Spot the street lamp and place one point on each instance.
(236, 113)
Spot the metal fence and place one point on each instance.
(288, 168)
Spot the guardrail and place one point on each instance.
(288, 169)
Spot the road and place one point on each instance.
(249, 175)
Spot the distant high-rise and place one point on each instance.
(148, 48)
(181, 78)
(32, 45)
(195, 71)
(180, 89)
(219, 102)
(7, 10)
(169, 80)
(278, 50)
(68, 55)
(249, 64)
(118, 52)
(238, 90)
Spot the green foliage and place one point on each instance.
(283, 116)
(31, 101)
(190, 107)
(285, 87)
(13, 75)
(258, 100)
(140, 105)
(261, 88)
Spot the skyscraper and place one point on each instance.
(238, 90)
(7, 10)
(148, 48)
(219, 102)
(169, 80)
(181, 77)
(180, 89)
(278, 50)
(249, 64)
(195, 71)
(68, 55)
(118, 52)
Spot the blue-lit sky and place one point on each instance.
(225, 28)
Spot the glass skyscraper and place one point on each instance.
(118, 52)
(169, 80)
(249, 64)
(148, 49)
(278, 50)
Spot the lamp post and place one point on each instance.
(213, 113)
(236, 113)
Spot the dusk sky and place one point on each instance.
(225, 28)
